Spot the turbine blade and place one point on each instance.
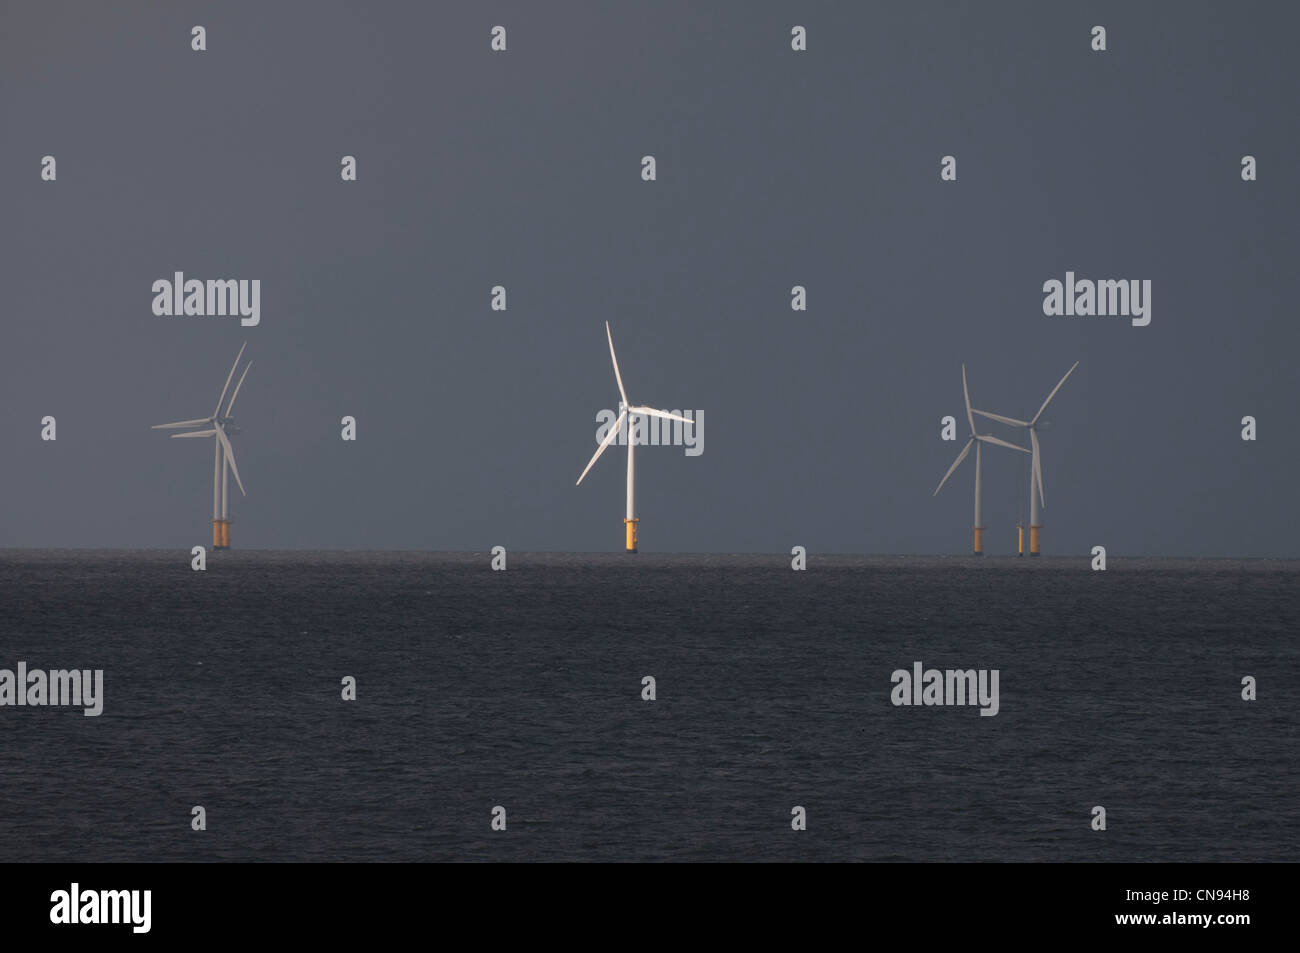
(1053, 394)
(966, 393)
(988, 438)
(222, 396)
(1009, 421)
(660, 413)
(955, 464)
(609, 438)
(230, 458)
(196, 433)
(1038, 468)
(617, 376)
(237, 386)
(182, 423)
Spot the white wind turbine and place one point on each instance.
(978, 440)
(627, 408)
(218, 426)
(1035, 464)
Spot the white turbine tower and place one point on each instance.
(627, 408)
(978, 440)
(218, 426)
(1035, 465)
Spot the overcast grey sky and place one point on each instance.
(775, 168)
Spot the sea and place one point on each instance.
(505, 715)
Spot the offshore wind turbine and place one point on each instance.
(218, 426)
(978, 440)
(1035, 465)
(627, 413)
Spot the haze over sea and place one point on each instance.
(523, 689)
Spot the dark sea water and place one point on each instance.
(523, 689)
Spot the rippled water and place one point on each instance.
(523, 689)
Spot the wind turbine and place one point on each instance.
(1035, 465)
(978, 439)
(218, 426)
(627, 408)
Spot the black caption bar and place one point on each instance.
(169, 903)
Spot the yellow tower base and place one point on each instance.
(1020, 544)
(979, 540)
(1033, 540)
(221, 534)
(631, 534)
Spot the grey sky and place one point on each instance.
(775, 168)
